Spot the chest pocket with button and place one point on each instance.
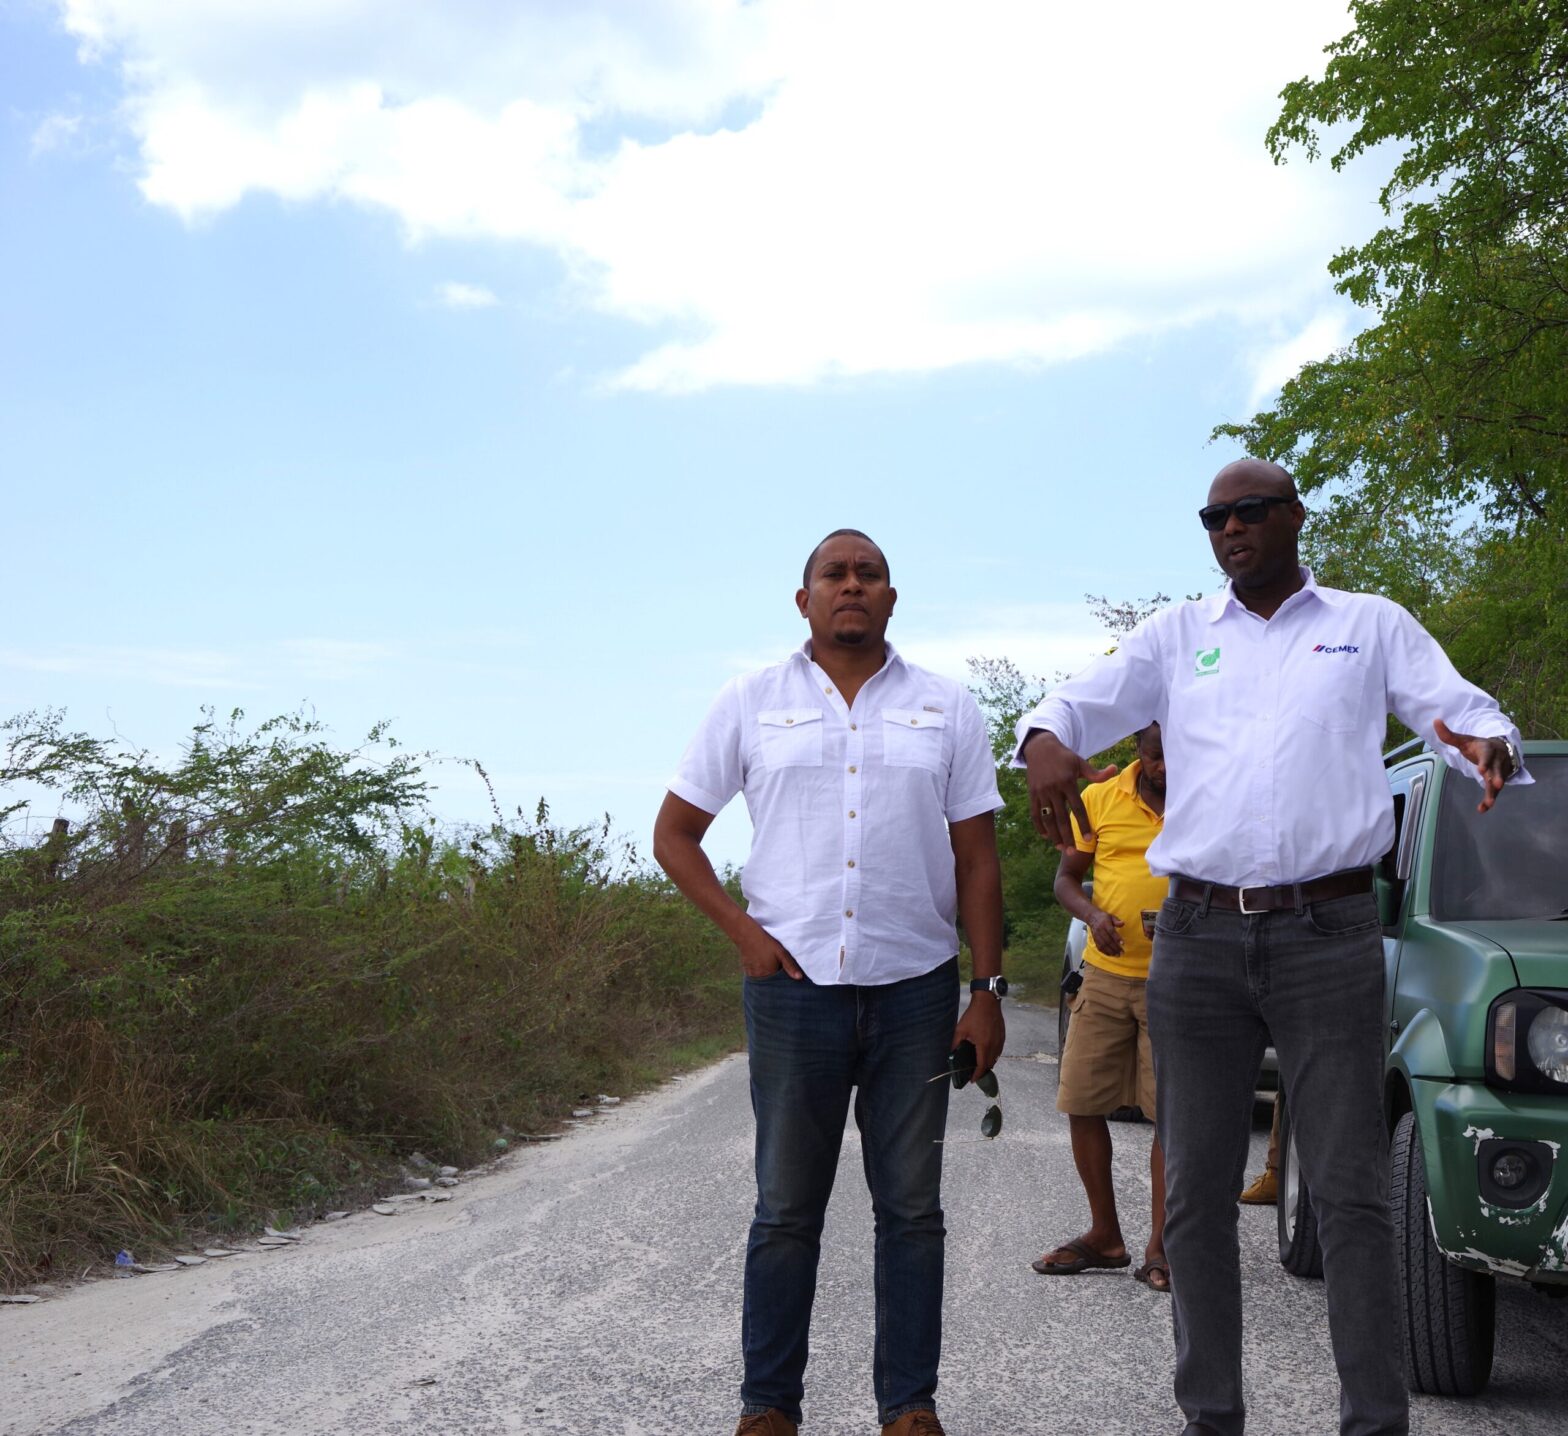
(790, 737)
(912, 738)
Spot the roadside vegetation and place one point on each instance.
(243, 984)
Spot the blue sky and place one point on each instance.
(492, 369)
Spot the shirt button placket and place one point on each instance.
(854, 760)
(1266, 842)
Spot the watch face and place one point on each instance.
(999, 987)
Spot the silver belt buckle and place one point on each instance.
(1241, 898)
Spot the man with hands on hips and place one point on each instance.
(1272, 697)
(872, 794)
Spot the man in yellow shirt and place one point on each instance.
(1108, 1063)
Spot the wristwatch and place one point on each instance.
(1515, 757)
(996, 986)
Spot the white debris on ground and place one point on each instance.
(433, 1188)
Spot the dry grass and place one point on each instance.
(205, 1044)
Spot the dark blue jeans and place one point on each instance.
(809, 1046)
(1221, 983)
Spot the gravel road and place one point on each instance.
(592, 1285)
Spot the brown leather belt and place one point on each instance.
(1288, 896)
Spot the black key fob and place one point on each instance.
(961, 1063)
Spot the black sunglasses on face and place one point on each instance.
(1251, 510)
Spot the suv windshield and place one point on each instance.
(1511, 862)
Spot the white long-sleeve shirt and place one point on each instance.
(851, 865)
(1273, 729)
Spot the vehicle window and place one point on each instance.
(1410, 827)
(1388, 864)
(1511, 862)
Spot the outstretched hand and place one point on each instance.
(1054, 771)
(1490, 756)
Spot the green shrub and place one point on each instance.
(241, 985)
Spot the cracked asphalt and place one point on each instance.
(592, 1285)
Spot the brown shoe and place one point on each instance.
(1264, 1192)
(915, 1423)
(772, 1422)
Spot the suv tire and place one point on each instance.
(1299, 1252)
(1450, 1313)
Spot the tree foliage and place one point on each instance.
(1437, 440)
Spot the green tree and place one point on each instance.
(1437, 440)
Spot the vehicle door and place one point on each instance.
(1396, 872)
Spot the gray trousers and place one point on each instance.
(1221, 983)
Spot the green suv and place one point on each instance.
(1475, 1087)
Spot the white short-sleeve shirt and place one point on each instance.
(851, 866)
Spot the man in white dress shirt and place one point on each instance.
(1272, 697)
(872, 793)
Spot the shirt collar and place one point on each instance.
(1219, 604)
(890, 655)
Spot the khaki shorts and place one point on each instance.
(1108, 1062)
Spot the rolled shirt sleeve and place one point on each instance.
(971, 783)
(713, 768)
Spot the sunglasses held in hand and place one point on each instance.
(1251, 510)
(961, 1063)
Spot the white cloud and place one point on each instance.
(1321, 336)
(1042, 640)
(56, 132)
(332, 657)
(164, 667)
(466, 296)
(221, 670)
(785, 191)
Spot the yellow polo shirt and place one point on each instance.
(1124, 826)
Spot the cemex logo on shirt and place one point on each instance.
(1335, 648)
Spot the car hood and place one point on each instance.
(1538, 948)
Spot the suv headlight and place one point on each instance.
(1527, 1041)
(1547, 1043)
